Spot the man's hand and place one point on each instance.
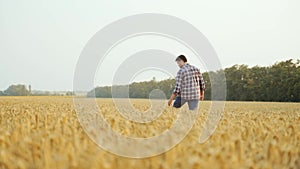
(170, 102)
(171, 99)
(201, 95)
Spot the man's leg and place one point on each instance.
(178, 102)
(193, 104)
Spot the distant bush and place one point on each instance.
(16, 90)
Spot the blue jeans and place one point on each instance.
(193, 104)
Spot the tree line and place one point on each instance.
(279, 82)
(16, 90)
(22, 90)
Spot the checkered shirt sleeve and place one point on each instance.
(178, 78)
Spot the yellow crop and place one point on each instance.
(44, 132)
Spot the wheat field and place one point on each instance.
(44, 132)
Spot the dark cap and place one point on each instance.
(181, 57)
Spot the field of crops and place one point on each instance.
(44, 132)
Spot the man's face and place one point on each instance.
(180, 62)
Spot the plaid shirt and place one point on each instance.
(189, 82)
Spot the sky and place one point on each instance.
(41, 41)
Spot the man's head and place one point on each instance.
(181, 60)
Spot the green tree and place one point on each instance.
(17, 90)
(2, 93)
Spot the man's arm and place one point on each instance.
(177, 88)
(202, 86)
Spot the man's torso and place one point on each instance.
(190, 87)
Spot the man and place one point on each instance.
(189, 85)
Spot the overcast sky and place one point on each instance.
(40, 41)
